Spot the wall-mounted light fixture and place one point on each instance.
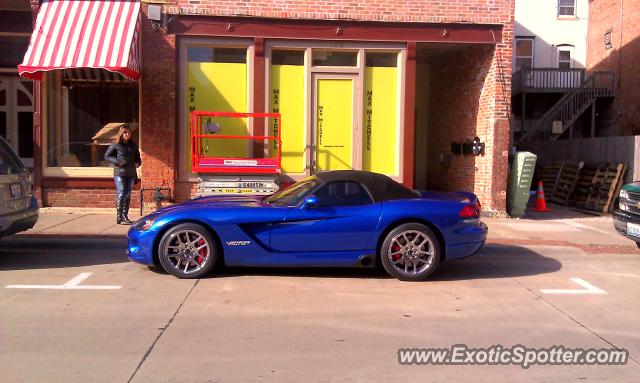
(474, 147)
(159, 19)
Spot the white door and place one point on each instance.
(16, 116)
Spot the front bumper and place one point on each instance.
(19, 221)
(620, 220)
(140, 245)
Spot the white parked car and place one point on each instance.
(18, 206)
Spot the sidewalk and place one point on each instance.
(80, 222)
(561, 227)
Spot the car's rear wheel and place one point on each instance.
(187, 251)
(410, 252)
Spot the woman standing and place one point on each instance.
(125, 156)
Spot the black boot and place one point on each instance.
(118, 212)
(125, 212)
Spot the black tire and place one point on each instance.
(399, 255)
(638, 244)
(183, 245)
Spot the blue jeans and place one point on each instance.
(123, 192)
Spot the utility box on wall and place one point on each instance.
(524, 164)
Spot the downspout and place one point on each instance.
(620, 49)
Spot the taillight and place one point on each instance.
(471, 211)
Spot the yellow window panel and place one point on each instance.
(287, 98)
(380, 133)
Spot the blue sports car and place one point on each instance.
(332, 219)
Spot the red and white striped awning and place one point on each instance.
(84, 34)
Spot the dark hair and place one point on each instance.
(123, 129)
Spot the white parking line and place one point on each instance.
(626, 275)
(72, 284)
(588, 288)
(587, 227)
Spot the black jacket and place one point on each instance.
(124, 157)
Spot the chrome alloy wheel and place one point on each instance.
(411, 252)
(187, 251)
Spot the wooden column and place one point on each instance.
(593, 119)
(258, 92)
(409, 115)
(37, 120)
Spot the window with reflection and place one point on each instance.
(81, 103)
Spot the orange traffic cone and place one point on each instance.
(541, 202)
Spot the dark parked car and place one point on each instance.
(18, 206)
(626, 217)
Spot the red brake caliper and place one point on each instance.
(202, 252)
(394, 249)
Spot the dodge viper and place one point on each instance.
(332, 219)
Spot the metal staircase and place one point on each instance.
(570, 107)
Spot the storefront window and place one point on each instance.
(217, 82)
(12, 49)
(16, 115)
(287, 98)
(287, 57)
(217, 55)
(78, 109)
(323, 57)
(381, 128)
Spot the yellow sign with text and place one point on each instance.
(334, 124)
(287, 98)
(380, 133)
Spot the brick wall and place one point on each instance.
(432, 11)
(185, 190)
(158, 107)
(471, 99)
(623, 115)
(85, 197)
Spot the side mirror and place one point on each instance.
(309, 201)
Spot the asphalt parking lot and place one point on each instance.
(75, 310)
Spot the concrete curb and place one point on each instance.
(69, 236)
(88, 210)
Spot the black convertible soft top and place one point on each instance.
(381, 187)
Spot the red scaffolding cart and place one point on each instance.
(263, 154)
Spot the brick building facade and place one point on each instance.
(614, 45)
(450, 65)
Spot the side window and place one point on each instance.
(9, 162)
(565, 55)
(566, 8)
(342, 193)
(524, 52)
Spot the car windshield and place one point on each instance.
(291, 195)
(9, 162)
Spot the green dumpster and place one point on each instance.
(524, 163)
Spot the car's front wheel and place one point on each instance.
(187, 251)
(410, 252)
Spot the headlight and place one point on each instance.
(145, 223)
(624, 194)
